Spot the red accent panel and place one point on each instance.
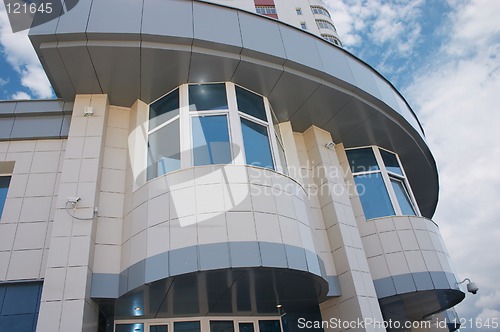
(264, 2)
(272, 15)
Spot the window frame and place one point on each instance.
(326, 25)
(386, 176)
(320, 11)
(235, 133)
(266, 10)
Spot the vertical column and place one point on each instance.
(66, 304)
(358, 299)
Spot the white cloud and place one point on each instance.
(456, 98)
(19, 53)
(20, 95)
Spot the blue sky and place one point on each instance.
(444, 57)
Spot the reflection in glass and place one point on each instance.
(391, 162)
(221, 326)
(4, 187)
(211, 140)
(250, 103)
(203, 97)
(403, 197)
(256, 141)
(373, 195)
(136, 327)
(164, 109)
(164, 150)
(269, 326)
(362, 160)
(187, 327)
(246, 327)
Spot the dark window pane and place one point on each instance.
(158, 328)
(187, 327)
(129, 328)
(250, 103)
(391, 162)
(207, 97)
(373, 195)
(403, 197)
(164, 109)
(256, 141)
(269, 326)
(362, 160)
(164, 150)
(221, 326)
(4, 187)
(211, 140)
(246, 327)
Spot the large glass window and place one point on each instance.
(4, 187)
(158, 328)
(322, 24)
(163, 153)
(134, 327)
(373, 195)
(207, 97)
(211, 140)
(212, 123)
(21, 303)
(246, 327)
(381, 183)
(320, 10)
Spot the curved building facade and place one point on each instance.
(216, 166)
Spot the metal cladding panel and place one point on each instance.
(7, 108)
(78, 63)
(168, 19)
(256, 75)
(297, 90)
(6, 125)
(216, 25)
(336, 65)
(301, 51)
(325, 102)
(54, 67)
(39, 106)
(74, 23)
(212, 66)
(116, 68)
(157, 80)
(115, 17)
(364, 78)
(253, 28)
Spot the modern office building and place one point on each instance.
(215, 166)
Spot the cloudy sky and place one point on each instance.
(444, 55)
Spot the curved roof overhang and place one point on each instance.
(140, 50)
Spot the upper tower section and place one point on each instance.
(309, 15)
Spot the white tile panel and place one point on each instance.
(241, 226)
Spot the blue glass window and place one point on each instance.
(391, 162)
(269, 326)
(211, 140)
(164, 150)
(373, 195)
(250, 103)
(4, 187)
(204, 97)
(19, 306)
(256, 141)
(362, 160)
(187, 327)
(403, 198)
(221, 326)
(164, 109)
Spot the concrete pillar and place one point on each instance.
(66, 304)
